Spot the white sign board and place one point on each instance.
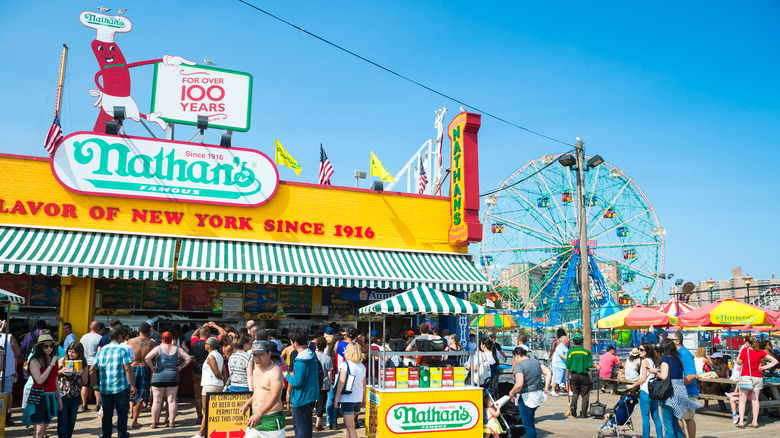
(107, 165)
(182, 93)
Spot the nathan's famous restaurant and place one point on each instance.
(135, 228)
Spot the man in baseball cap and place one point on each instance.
(267, 418)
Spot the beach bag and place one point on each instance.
(483, 372)
(745, 382)
(659, 389)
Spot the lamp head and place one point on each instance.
(595, 161)
(567, 160)
(203, 122)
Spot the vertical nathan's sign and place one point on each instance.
(464, 180)
(182, 93)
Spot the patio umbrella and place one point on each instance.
(674, 307)
(635, 317)
(494, 320)
(728, 312)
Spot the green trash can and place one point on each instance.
(425, 377)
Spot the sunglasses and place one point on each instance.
(47, 346)
(642, 349)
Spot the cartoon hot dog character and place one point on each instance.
(113, 78)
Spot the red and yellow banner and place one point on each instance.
(464, 180)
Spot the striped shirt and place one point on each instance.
(111, 361)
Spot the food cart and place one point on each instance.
(435, 401)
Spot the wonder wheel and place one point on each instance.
(529, 251)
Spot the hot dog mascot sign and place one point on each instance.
(95, 163)
(113, 78)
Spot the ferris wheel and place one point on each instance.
(530, 250)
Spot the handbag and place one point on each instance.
(34, 398)
(745, 382)
(659, 389)
(349, 383)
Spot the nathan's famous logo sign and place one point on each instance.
(464, 180)
(440, 417)
(97, 164)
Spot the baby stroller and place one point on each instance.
(619, 422)
(510, 414)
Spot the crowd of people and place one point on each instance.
(316, 378)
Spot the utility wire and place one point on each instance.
(524, 179)
(402, 76)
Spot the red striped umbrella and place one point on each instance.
(674, 307)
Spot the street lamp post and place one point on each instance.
(647, 296)
(710, 285)
(748, 279)
(579, 160)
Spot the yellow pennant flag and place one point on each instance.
(379, 169)
(282, 157)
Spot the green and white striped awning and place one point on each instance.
(10, 297)
(423, 300)
(85, 254)
(276, 263)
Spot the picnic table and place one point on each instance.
(716, 392)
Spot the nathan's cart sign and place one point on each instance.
(464, 180)
(95, 164)
(182, 93)
(420, 417)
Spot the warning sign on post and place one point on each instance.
(222, 417)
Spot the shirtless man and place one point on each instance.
(268, 418)
(142, 345)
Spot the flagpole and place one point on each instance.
(60, 81)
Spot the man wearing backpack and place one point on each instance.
(325, 367)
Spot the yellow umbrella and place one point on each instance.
(728, 312)
(637, 317)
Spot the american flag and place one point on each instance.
(54, 136)
(326, 170)
(423, 178)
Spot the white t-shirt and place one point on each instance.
(645, 385)
(90, 342)
(207, 376)
(557, 360)
(699, 362)
(359, 371)
(10, 358)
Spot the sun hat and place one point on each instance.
(717, 355)
(634, 352)
(44, 338)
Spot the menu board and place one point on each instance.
(342, 309)
(198, 296)
(119, 294)
(232, 296)
(260, 298)
(160, 295)
(295, 299)
(45, 291)
(16, 284)
(137, 294)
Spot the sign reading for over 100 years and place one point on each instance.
(182, 93)
(464, 180)
(96, 164)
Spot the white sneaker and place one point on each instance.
(553, 393)
(571, 394)
(197, 436)
(735, 418)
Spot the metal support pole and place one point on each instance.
(583, 232)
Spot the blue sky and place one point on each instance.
(682, 96)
